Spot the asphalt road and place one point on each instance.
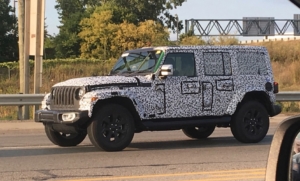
(27, 154)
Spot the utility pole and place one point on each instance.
(35, 28)
(23, 64)
(38, 52)
(15, 8)
(21, 20)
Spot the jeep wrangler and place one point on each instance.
(193, 88)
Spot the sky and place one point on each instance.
(207, 9)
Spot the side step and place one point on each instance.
(173, 124)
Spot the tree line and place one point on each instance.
(102, 29)
(8, 33)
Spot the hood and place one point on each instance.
(103, 81)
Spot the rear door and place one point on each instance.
(217, 81)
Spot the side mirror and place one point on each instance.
(166, 70)
(280, 160)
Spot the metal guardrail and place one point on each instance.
(20, 99)
(288, 96)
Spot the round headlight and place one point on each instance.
(81, 93)
(53, 93)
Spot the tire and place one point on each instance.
(62, 139)
(112, 128)
(250, 123)
(199, 132)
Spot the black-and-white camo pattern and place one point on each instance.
(216, 89)
(97, 80)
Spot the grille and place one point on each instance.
(64, 98)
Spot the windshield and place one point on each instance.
(136, 62)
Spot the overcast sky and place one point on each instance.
(209, 9)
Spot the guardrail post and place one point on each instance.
(20, 112)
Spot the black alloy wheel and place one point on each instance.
(64, 139)
(250, 123)
(112, 129)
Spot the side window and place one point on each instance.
(263, 70)
(217, 63)
(251, 63)
(183, 63)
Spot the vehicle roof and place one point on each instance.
(204, 47)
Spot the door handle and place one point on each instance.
(227, 85)
(191, 86)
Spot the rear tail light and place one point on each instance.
(276, 89)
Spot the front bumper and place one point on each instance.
(52, 116)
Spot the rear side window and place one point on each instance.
(252, 63)
(217, 63)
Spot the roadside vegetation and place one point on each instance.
(285, 57)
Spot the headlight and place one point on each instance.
(67, 117)
(80, 93)
(53, 93)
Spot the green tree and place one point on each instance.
(188, 34)
(71, 12)
(224, 40)
(136, 11)
(103, 39)
(97, 34)
(192, 40)
(49, 46)
(8, 33)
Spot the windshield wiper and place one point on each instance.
(126, 72)
(126, 64)
(141, 71)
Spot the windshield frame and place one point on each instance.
(133, 62)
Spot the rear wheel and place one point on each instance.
(250, 123)
(199, 132)
(112, 128)
(63, 139)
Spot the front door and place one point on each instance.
(182, 90)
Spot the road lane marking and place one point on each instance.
(25, 147)
(259, 171)
(236, 174)
(41, 146)
(231, 178)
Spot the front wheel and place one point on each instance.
(62, 139)
(250, 123)
(112, 128)
(199, 132)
